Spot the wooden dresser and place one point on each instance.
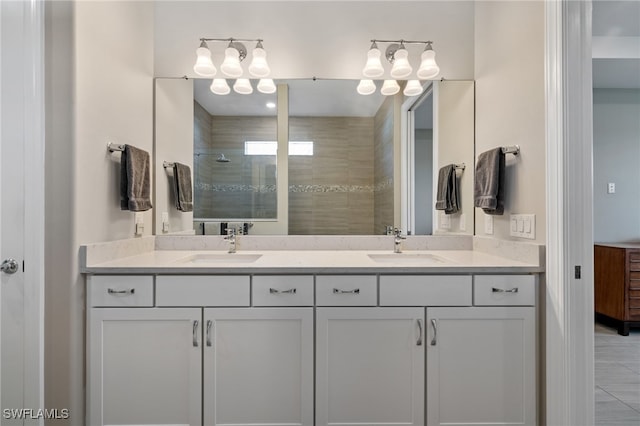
(617, 285)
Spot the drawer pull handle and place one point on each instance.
(129, 291)
(338, 291)
(499, 290)
(209, 324)
(195, 333)
(434, 325)
(276, 291)
(419, 342)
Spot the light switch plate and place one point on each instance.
(445, 221)
(523, 226)
(463, 222)
(165, 222)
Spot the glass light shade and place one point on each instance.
(428, 67)
(204, 66)
(373, 67)
(243, 86)
(401, 67)
(413, 88)
(219, 86)
(366, 87)
(259, 66)
(266, 85)
(231, 64)
(390, 87)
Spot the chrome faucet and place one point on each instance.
(397, 241)
(231, 237)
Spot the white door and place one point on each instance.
(369, 366)
(145, 366)
(481, 366)
(21, 200)
(258, 366)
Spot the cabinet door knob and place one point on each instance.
(195, 333)
(499, 290)
(434, 325)
(419, 342)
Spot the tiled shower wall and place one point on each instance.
(331, 192)
(245, 187)
(346, 187)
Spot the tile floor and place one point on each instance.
(617, 377)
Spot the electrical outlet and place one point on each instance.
(445, 221)
(488, 224)
(463, 222)
(139, 223)
(165, 222)
(611, 188)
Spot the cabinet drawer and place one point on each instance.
(202, 290)
(634, 257)
(504, 290)
(120, 290)
(634, 302)
(425, 290)
(346, 290)
(282, 290)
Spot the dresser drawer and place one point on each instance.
(202, 290)
(346, 290)
(120, 290)
(504, 290)
(425, 290)
(282, 290)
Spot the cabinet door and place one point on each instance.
(481, 366)
(369, 366)
(144, 366)
(258, 366)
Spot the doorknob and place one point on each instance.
(9, 266)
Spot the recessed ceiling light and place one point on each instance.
(271, 104)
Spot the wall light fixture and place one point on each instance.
(231, 67)
(398, 56)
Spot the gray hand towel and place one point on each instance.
(135, 182)
(489, 182)
(182, 187)
(447, 192)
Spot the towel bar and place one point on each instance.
(112, 147)
(167, 164)
(513, 149)
(461, 166)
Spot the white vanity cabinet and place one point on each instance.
(481, 360)
(258, 366)
(369, 366)
(144, 366)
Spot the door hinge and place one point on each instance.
(23, 266)
(578, 272)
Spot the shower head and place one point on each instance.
(222, 159)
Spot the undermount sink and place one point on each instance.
(404, 258)
(221, 258)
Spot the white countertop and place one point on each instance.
(310, 261)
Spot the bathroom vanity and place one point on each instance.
(312, 337)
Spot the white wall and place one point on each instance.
(616, 155)
(173, 143)
(100, 89)
(510, 108)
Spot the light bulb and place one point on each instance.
(204, 66)
(243, 86)
(401, 67)
(219, 86)
(231, 64)
(366, 87)
(259, 66)
(413, 88)
(390, 87)
(428, 67)
(266, 85)
(373, 67)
